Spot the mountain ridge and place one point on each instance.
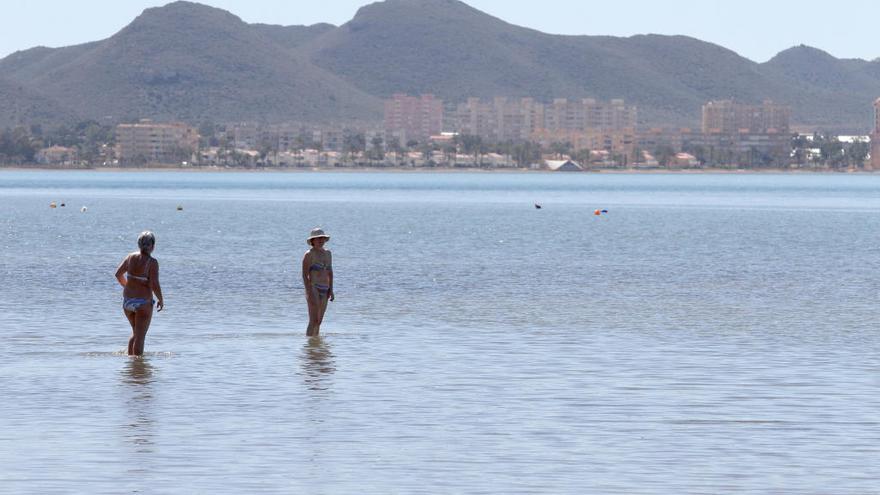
(194, 62)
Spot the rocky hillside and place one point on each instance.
(188, 61)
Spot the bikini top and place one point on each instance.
(145, 277)
(319, 267)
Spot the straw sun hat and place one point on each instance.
(317, 233)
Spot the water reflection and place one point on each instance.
(318, 364)
(138, 426)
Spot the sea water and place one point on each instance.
(708, 334)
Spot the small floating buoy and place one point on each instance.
(597, 212)
(604, 211)
(179, 208)
(63, 205)
(52, 205)
(83, 209)
(537, 206)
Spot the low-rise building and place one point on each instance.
(685, 160)
(616, 141)
(56, 155)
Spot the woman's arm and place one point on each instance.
(307, 283)
(154, 282)
(330, 274)
(120, 271)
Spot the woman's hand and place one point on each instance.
(160, 305)
(330, 293)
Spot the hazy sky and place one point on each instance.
(756, 29)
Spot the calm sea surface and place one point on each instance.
(710, 334)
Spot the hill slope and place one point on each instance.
(22, 106)
(188, 61)
(453, 50)
(191, 62)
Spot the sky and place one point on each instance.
(756, 29)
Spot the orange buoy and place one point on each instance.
(597, 212)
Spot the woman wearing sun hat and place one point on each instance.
(317, 273)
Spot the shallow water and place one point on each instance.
(710, 334)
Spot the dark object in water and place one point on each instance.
(179, 208)
(604, 211)
(537, 206)
(63, 205)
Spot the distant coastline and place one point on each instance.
(442, 170)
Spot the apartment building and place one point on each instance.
(413, 117)
(287, 136)
(615, 141)
(875, 137)
(519, 119)
(730, 117)
(147, 142)
(501, 119)
(588, 114)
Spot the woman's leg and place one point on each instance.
(322, 308)
(142, 319)
(130, 316)
(311, 330)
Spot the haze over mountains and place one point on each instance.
(192, 62)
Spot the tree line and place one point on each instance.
(91, 140)
(19, 145)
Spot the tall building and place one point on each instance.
(147, 141)
(511, 119)
(875, 137)
(413, 117)
(730, 117)
(502, 119)
(588, 115)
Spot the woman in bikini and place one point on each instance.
(138, 274)
(317, 273)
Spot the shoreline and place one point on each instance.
(423, 170)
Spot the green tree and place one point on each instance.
(664, 155)
(857, 152)
(470, 144)
(526, 153)
(832, 152)
(394, 147)
(354, 145)
(18, 146)
(561, 149)
(377, 148)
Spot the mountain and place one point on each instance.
(453, 50)
(293, 36)
(193, 62)
(825, 89)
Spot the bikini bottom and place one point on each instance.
(130, 305)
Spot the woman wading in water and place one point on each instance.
(317, 273)
(138, 274)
